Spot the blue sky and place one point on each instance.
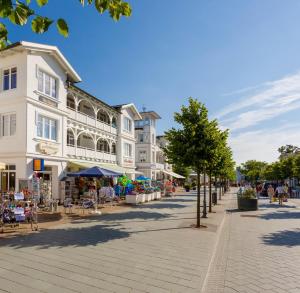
(241, 58)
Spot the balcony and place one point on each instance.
(159, 166)
(91, 121)
(84, 153)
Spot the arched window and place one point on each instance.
(85, 141)
(71, 102)
(103, 116)
(102, 146)
(114, 122)
(113, 148)
(86, 108)
(70, 138)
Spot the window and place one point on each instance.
(8, 124)
(140, 137)
(127, 124)
(70, 138)
(46, 84)
(10, 79)
(142, 156)
(113, 148)
(46, 128)
(127, 149)
(103, 146)
(8, 178)
(153, 157)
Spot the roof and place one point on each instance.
(132, 107)
(151, 113)
(53, 50)
(93, 97)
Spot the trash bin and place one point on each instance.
(214, 198)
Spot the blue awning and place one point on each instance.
(95, 172)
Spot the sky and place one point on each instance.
(240, 58)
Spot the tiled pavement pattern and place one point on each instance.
(150, 248)
(258, 251)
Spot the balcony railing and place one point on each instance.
(92, 121)
(85, 153)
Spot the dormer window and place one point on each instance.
(47, 84)
(9, 78)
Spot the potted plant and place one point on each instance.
(187, 187)
(247, 200)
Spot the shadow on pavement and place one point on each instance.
(276, 206)
(280, 215)
(59, 238)
(178, 200)
(287, 238)
(160, 205)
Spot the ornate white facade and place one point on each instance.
(45, 115)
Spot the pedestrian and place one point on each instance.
(271, 192)
(280, 193)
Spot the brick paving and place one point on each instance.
(149, 248)
(258, 251)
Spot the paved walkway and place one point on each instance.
(150, 248)
(259, 251)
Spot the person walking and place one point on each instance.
(280, 193)
(271, 192)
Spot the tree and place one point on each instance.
(287, 151)
(182, 170)
(187, 144)
(252, 170)
(19, 12)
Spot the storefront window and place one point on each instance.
(8, 178)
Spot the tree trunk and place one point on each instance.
(204, 214)
(220, 189)
(216, 189)
(210, 199)
(198, 199)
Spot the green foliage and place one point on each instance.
(248, 193)
(18, 13)
(288, 151)
(252, 170)
(182, 170)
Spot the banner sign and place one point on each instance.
(38, 165)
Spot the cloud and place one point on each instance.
(263, 144)
(259, 105)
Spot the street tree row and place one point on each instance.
(199, 144)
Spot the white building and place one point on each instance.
(44, 115)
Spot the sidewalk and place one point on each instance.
(259, 251)
(148, 248)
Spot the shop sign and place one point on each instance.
(38, 164)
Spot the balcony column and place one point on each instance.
(75, 138)
(77, 101)
(110, 123)
(96, 114)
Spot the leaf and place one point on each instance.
(20, 14)
(41, 2)
(5, 8)
(101, 5)
(62, 27)
(3, 32)
(28, 2)
(41, 24)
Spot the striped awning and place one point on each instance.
(173, 174)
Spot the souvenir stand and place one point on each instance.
(90, 199)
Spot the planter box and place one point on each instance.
(247, 204)
(141, 198)
(132, 199)
(158, 194)
(152, 196)
(148, 197)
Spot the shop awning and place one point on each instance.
(95, 172)
(134, 172)
(2, 166)
(173, 174)
(86, 165)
